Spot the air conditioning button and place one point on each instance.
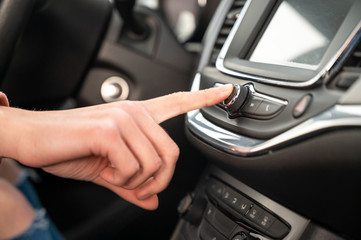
(252, 105)
(268, 108)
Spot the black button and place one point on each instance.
(252, 104)
(278, 229)
(231, 198)
(266, 220)
(215, 188)
(267, 108)
(226, 193)
(209, 213)
(255, 213)
(300, 108)
(243, 205)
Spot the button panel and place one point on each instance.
(246, 101)
(245, 209)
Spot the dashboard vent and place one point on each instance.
(228, 23)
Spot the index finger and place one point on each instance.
(172, 105)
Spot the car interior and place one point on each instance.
(280, 158)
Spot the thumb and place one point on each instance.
(172, 105)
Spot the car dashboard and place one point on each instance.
(278, 159)
(283, 148)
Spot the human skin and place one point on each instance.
(16, 212)
(119, 146)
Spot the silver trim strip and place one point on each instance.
(334, 62)
(234, 143)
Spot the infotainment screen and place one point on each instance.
(300, 32)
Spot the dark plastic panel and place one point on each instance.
(13, 17)
(264, 129)
(318, 177)
(166, 68)
(54, 53)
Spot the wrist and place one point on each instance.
(12, 131)
(3, 102)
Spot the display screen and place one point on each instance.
(300, 32)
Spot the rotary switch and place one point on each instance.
(236, 100)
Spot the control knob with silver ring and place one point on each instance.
(236, 100)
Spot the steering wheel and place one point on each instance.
(13, 18)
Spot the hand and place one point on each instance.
(119, 145)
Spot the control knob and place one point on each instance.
(236, 100)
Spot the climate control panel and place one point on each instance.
(246, 101)
(244, 210)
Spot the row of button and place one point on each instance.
(247, 209)
(261, 107)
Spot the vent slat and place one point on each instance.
(228, 23)
(225, 31)
(238, 4)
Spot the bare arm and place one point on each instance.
(119, 145)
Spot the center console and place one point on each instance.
(232, 210)
(276, 143)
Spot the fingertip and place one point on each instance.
(225, 89)
(144, 197)
(150, 203)
(218, 93)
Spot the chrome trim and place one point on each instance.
(234, 143)
(238, 90)
(334, 62)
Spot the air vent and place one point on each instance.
(228, 23)
(351, 70)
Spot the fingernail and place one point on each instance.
(145, 196)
